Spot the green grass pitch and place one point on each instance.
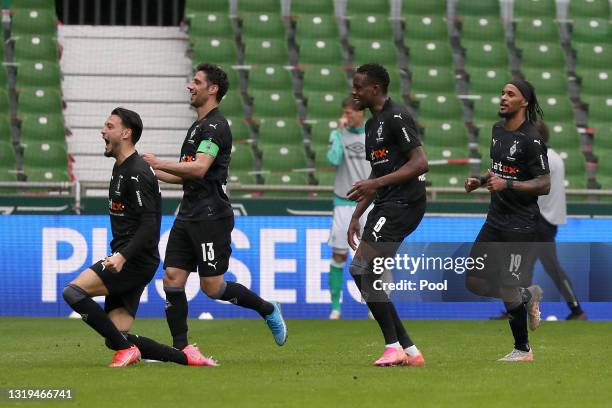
(323, 364)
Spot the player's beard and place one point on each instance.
(506, 115)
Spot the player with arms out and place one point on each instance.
(134, 201)
(519, 173)
(347, 153)
(201, 235)
(397, 189)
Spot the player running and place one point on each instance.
(397, 161)
(134, 202)
(201, 235)
(518, 175)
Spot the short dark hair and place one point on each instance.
(215, 75)
(377, 74)
(349, 102)
(130, 120)
(542, 130)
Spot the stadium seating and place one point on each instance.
(563, 135)
(320, 52)
(357, 7)
(273, 104)
(557, 108)
(487, 80)
(221, 51)
(282, 157)
(39, 100)
(265, 51)
(592, 55)
(527, 9)
(324, 105)
(430, 53)
(541, 55)
(4, 102)
(319, 7)
(42, 128)
(485, 110)
(370, 26)
(443, 107)
(382, 51)
(424, 8)
(589, 8)
(192, 7)
(259, 6)
(33, 4)
(481, 29)
(269, 77)
(321, 130)
(538, 30)
(232, 104)
(35, 48)
(280, 131)
(261, 25)
(5, 129)
(26, 22)
(7, 156)
(38, 74)
(316, 27)
(591, 30)
(421, 28)
(211, 25)
(547, 82)
(324, 78)
(426, 80)
(490, 54)
(240, 129)
(452, 135)
(242, 158)
(489, 8)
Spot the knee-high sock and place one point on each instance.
(380, 309)
(152, 350)
(238, 294)
(94, 316)
(553, 268)
(336, 270)
(402, 334)
(176, 315)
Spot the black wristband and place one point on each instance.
(482, 180)
(509, 184)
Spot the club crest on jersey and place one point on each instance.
(513, 148)
(494, 141)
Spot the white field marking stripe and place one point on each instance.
(308, 212)
(35, 208)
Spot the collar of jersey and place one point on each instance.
(356, 130)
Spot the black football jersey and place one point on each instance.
(519, 155)
(205, 198)
(389, 136)
(134, 204)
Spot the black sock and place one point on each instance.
(518, 325)
(239, 295)
(380, 310)
(402, 334)
(176, 315)
(97, 319)
(575, 308)
(152, 350)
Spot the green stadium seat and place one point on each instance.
(446, 133)
(563, 135)
(316, 27)
(41, 74)
(39, 101)
(4, 102)
(242, 158)
(489, 54)
(45, 155)
(192, 7)
(42, 127)
(7, 174)
(270, 77)
(46, 174)
(5, 129)
(547, 82)
(487, 80)
(262, 25)
(325, 177)
(320, 7)
(35, 48)
(527, 9)
(430, 53)
(370, 26)
(233, 76)
(265, 51)
(423, 28)
(324, 105)
(211, 25)
(599, 109)
(273, 104)
(557, 108)
(395, 84)
(320, 157)
(240, 129)
(381, 51)
(7, 155)
(280, 130)
(573, 160)
(242, 177)
(48, 5)
(591, 56)
(591, 30)
(357, 7)
(541, 55)
(217, 50)
(325, 78)
(443, 107)
(538, 30)
(424, 8)
(282, 157)
(231, 104)
(288, 178)
(478, 8)
(320, 52)
(603, 135)
(485, 111)
(259, 6)
(482, 29)
(321, 130)
(26, 22)
(426, 80)
(447, 175)
(589, 8)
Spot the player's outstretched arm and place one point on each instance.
(167, 177)
(184, 170)
(536, 186)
